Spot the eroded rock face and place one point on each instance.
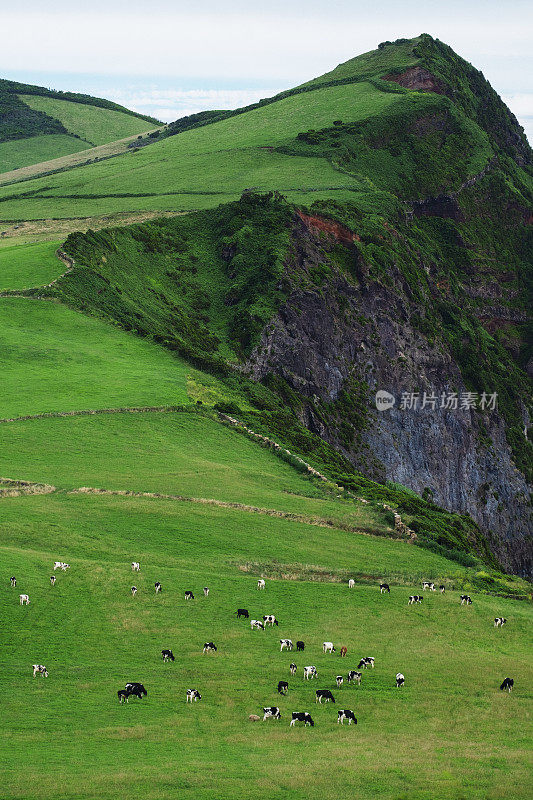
(417, 79)
(323, 338)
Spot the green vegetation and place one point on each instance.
(17, 153)
(92, 123)
(23, 266)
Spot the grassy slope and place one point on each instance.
(77, 741)
(23, 152)
(24, 266)
(66, 361)
(95, 125)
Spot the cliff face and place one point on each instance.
(358, 332)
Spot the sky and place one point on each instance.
(169, 58)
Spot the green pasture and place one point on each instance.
(23, 152)
(27, 265)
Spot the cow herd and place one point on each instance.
(310, 672)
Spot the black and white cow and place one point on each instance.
(384, 587)
(123, 694)
(256, 624)
(283, 687)
(242, 612)
(135, 566)
(193, 695)
(136, 689)
(345, 713)
(293, 668)
(24, 599)
(327, 647)
(206, 591)
(354, 676)
(300, 645)
(189, 595)
(366, 661)
(466, 600)
(499, 622)
(133, 591)
(415, 598)
(52, 580)
(428, 585)
(13, 581)
(325, 695)
(286, 644)
(209, 647)
(168, 655)
(270, 619)
(339, 680)
(442, 588)
(507, 684)
(261, 583)
(158, 587)
(61, 565)
(40, 669)
(271, 711)
(310, 672)
(400, 680)
(301, 716)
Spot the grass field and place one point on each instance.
(23, 152)
(24, 266)
(67, 736)
(94, 124)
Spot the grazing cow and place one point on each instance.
(135, 566)
(242, 612)
(507, 684)
(123, 694)
(256, 624)
(499, 622)
(293, 668)
(270, 619)
(384, 587)
(428, 585)
(13, 581)
(325, 695)
(61, 565)
(254, 718)
(261, 584)
(442, 588)
(300, 645)
(339, 680)
(327, 647)
(158, 587)
(310, 672)
(400, 680)
(209, 647)
(193, 695)
(168, 655)
(39, 669)
(133, 591)
(283, 687)
(52, 580)
(355, 676)
(343, 652)
(137, 689)
(466, 600)
(285, 643)
(24, 599)
(271, 711)
(345, 713)
(351, 583)
(366, 661)
(415, 598)
(206, 591)
(189, 595)
(301, 716)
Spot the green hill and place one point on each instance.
(197, 393)
(38, 124)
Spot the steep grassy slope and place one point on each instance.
(38, 124)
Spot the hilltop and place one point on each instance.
(38, 124)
